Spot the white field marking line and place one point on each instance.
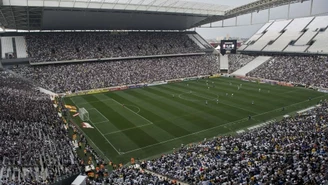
(100, 122)
(99, 113)
(94, 144)
(95, 126)
(119, 153)
(94, 101)
(133, 112)
(127, 129)
(87, 135)
(135, 107)
(74, 102)
(237, 121)
(181, 136)
(175, 118)
(227, 104)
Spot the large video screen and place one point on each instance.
(228, 46)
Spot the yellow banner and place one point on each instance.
(215, 76)
(70, 107)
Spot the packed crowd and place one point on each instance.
(34, 147)
(120, 175)
(291, 151)
(310, 71)
(77, 46)
(237, 61)
(92, 75)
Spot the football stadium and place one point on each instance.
(159, 92)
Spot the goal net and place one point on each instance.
(83, 114)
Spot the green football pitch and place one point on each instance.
(147, 122)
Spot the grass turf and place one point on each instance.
(157, 119)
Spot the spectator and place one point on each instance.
(45, 47)
(237, 61)
(309, 71)
(34, 145)
(92, 75)
(291, 151)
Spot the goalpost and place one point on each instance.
(83, 114)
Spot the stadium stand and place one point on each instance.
(192, 37)
(76, 46)
(203, 41)
(237, 61)
(272, 33)
(203, 44)
(291, 151)
(292, 32)
(34, 145)
(250, 66)
(93, 75)
(257, 156)
(310, 71)
(256, 36)
(320, 44)
(290, 36)
(302, 44)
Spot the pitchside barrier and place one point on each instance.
(261, 80)
(274, 82)
(133, 86)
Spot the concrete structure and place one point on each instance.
(251, 66)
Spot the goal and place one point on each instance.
(83, 114)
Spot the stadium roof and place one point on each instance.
(118, 14)
(173, 6)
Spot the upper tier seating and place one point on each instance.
(78, 46)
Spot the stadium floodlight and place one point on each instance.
(83, 114)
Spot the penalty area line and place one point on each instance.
(128, 129)
(133, 112)
(118, 152)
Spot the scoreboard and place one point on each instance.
(228, 46)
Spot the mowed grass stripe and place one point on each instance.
(239, 100)
(208, 113)
(244, 96)
(158, 130)
(277, 93)
(180, 118)
(120, 141)
(131, 117)
(252, 89)
(222, 112)
(80, 102)
(172, 114)
(159, 114)
(109, 113)
(207, 121)
(247, 95)
(122, 123)
(95, 135)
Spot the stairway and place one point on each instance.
(251, 65)
(224, 62)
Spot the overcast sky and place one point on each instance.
(245, 30)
